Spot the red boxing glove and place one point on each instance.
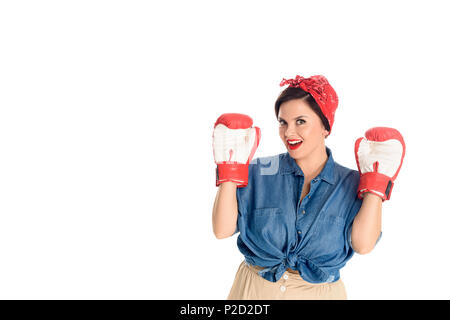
(379, 157)
(234, 143)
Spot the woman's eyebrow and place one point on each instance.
(279, 118)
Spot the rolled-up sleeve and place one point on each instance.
(350, 218)
(243, 197)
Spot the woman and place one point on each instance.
(300, 214)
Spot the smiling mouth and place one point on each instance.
(294, 144)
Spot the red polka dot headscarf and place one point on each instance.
(321, 91)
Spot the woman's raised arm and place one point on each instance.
(225, 210)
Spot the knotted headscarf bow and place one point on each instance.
(322, 92)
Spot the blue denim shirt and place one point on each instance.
(277, 231)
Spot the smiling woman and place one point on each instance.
(301, 222)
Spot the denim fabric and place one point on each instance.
(277, 231)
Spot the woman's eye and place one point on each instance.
(282, 123)
(300, 121)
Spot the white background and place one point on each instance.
(107, 177)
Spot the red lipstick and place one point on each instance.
(294, 146)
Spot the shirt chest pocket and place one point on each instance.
(261, 217)
(329, 233)
(269, 225)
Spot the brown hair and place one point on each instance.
(291, 93)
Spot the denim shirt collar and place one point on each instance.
(288, 165)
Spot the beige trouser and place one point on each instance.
(249, 285)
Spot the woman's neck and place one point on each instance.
(313, 164)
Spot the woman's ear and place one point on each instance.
(326, 133)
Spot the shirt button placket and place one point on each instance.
(283, 286)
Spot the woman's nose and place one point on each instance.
(290, 131)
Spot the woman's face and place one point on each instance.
(298, 122)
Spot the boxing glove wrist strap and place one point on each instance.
(236, 172)
(376, 183)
